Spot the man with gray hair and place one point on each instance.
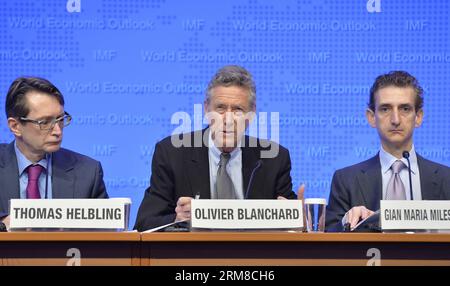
(226, 164)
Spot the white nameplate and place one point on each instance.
(68, 214)
(246, 214)
(420, 215)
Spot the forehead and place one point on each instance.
(43, 105)
(394, 95)
(230, 94)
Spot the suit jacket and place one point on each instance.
(361, 185)
(184, 172)
(74, 176)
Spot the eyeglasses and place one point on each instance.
(49, 124)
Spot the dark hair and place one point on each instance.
(16, 103)
(398, 79)
(233, 75)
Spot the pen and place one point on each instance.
(197, 196)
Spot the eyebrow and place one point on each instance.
(233, 106)
(51, 117)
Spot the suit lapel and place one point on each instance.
(429, 184)
(63, 180)
(9, 176)
(197, 167)
(370, 182)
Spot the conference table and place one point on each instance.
(70, 248)
(223, 248)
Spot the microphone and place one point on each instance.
(257, 166)
(48, 156)
(406, 156)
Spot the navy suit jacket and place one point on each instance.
(184, 172)
(74, 176)
(361, 185)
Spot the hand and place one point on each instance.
(358, 213)
(183, 209)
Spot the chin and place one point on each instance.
(52, 148)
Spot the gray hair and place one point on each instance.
(233, 75)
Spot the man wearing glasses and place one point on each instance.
(34, 166)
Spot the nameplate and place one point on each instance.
(104, 214)
(415, 215)
(246, 214)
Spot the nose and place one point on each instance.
(57, 129)
(228, 119)
(395, 117)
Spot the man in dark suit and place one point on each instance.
(395, 110)
(34, 165)
(218, 162)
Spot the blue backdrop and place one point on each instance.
(125, 67)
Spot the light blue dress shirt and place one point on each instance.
(386, 161)
(234, 168)
(23, 163)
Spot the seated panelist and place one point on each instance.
(34, 166)
(217, 162)
(395, 110)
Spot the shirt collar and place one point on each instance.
(387, 159)
(23, 162)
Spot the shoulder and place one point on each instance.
(183, 140)
(3, 148)
(357, 168)
(428, 164)
(7, 153)
(71, 156)
(271, 147)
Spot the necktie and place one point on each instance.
(34, 171)
(395, 187)
(224, 185)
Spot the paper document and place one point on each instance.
(163, 226)
(364, 220)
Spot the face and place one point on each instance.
(228, 115)
(395, 117)
(31, 140)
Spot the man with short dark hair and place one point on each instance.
(219, 162)
(395, 110)
(34, 165)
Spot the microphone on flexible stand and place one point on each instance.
(257, 166)
(406, 156)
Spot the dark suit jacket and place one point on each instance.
(361, 185)
(184, 172)
(74, 176)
